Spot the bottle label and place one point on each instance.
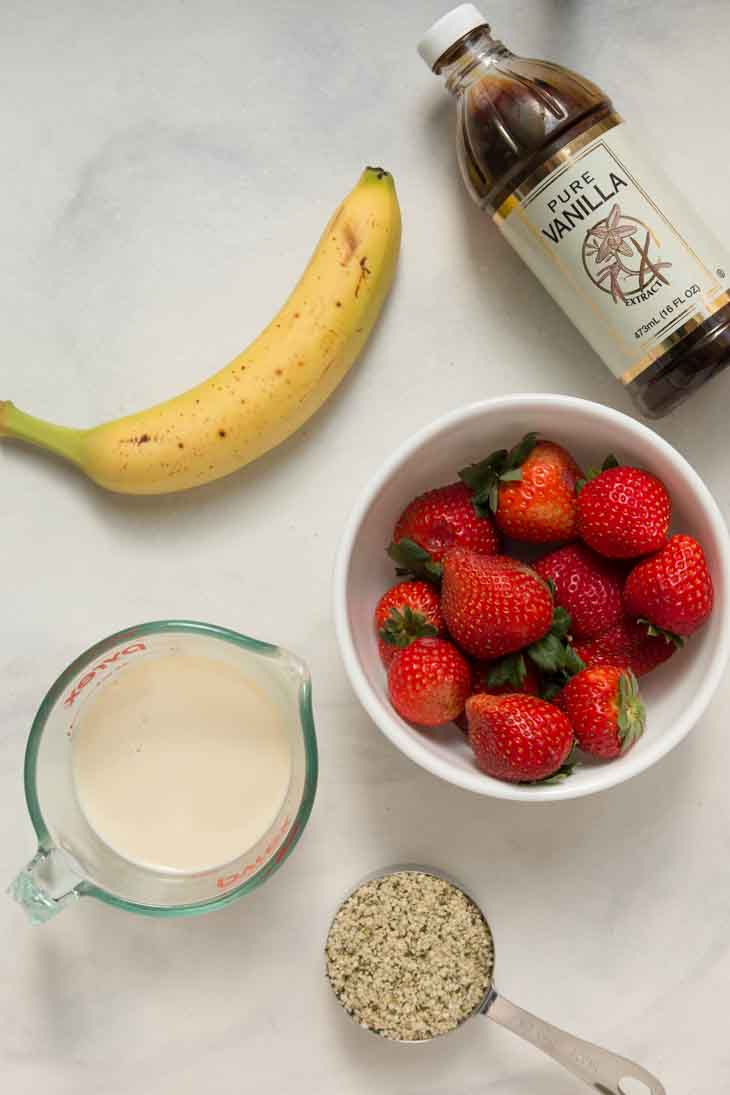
(618, 248)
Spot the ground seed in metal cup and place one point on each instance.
(409, 956)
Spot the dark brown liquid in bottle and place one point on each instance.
(514, 114)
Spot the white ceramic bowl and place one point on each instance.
(676, 694)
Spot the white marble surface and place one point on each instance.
(166, 168)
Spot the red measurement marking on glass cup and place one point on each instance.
(88, 677)
(228, 880)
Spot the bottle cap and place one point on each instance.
(449, 29)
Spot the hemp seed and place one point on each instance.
(409, 956)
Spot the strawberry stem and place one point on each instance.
(631, 713)
(403, 626)
(501, 466)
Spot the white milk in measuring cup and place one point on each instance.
(169, 770)
(180, 762)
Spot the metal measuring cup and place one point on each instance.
(602, 1070)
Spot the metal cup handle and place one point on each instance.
(603, 1071)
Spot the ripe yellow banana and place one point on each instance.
(269, 390)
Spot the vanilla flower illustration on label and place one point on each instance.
(605, 244)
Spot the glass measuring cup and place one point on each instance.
(72, 861)
(602, 1070)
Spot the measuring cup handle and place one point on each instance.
(603, 1071)
(31, 891)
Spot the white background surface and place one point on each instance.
(166, 169)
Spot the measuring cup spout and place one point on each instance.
(46, 885)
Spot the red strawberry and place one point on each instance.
(428, 682)
(531, 490)
(606, 711)
(436, 521)
(586, 585)
(517, 738)
(629, 645)
(499, 679)
(672, 589)
(493, 604)
(408, 611)
(624, 512)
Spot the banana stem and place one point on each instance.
(62, 440)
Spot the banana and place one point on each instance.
(272, 387)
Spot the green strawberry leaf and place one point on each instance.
(668, 636)
(550, 687)
(522, 450)
(631, 718)
(501, 466)
(593, 473)
(572, 662)
(411, 558)
(550, 653)
(514, 475)
(477, 476)
(508, 670)
(561, 622)
(403, 626)
(481, 502)
(553, 681)
(551, 586)
(566, 769)
(547, 653)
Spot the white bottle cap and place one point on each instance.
(449, 29)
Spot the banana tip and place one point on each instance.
(377, 174)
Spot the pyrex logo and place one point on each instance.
(251, 868)
(88, 677)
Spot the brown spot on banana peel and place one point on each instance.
(365, 272)
(141, 440)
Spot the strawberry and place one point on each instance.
(408, 611)
(436, 521)
(606, 711)
(504, 677)
(493, 604)
(429, 681)
(518, 738)
(629, 645)
(586, 585)
(531, 489)
(672, 589)
(624, 512)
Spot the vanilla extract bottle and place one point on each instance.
(543, 151)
